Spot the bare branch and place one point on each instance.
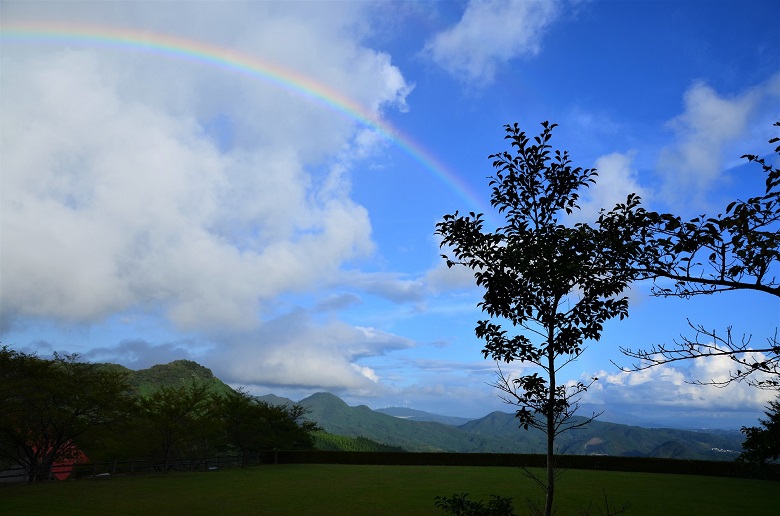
(534, 405)
(738, 249)
(751, 362)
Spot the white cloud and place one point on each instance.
(441, 278)
(668, 386)
(140, 354)
(491, 33)
(452, 387)
(403, 288)
(116, 196)
(710, 122)
(616, 179)
(367, 372)
(296, 351)
(395, 287)
(336, 302)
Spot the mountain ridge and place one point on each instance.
(496, 432)
(421, 415)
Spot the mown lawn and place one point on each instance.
(381, 490)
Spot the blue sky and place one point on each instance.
(157, 208)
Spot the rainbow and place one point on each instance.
(228, 59)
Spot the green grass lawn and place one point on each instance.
(381, 490)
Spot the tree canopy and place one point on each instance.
(762, 443)
(250, 424)
(56, 409)
(50, 407)
(554, 284)
(738, 249)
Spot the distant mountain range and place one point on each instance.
(419, 415)
(497, 432)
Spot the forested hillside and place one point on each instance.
(336, 417)
(61, 410)
(175, 374)
(603, 438)
(419, 415)
(181, 410)
(497, 432)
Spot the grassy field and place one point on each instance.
(381, 490)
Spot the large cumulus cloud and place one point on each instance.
(120, 191)
(188, 193)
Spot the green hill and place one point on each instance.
(360, 428)
(602, 438)
(419, 415)
(498, 432)
(273, 399)
(175, 374)
(336, 417)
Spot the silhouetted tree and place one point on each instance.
(554, 284)
(736, 250)
(288, 428)
(250, 424)
(762, 443)
(49, 408)
(177, 422)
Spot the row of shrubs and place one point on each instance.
(593, 462)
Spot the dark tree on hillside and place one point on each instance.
(762, 443)
(251, 425)
(287, 427)
(50, 408)
(738, 249)
(177, 422)
(549, 287)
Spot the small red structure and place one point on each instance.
(62, 468)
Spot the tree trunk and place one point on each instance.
(548, 502)
(167, 447)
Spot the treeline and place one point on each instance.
(332, 442)
(61, 410)
(533, 460)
